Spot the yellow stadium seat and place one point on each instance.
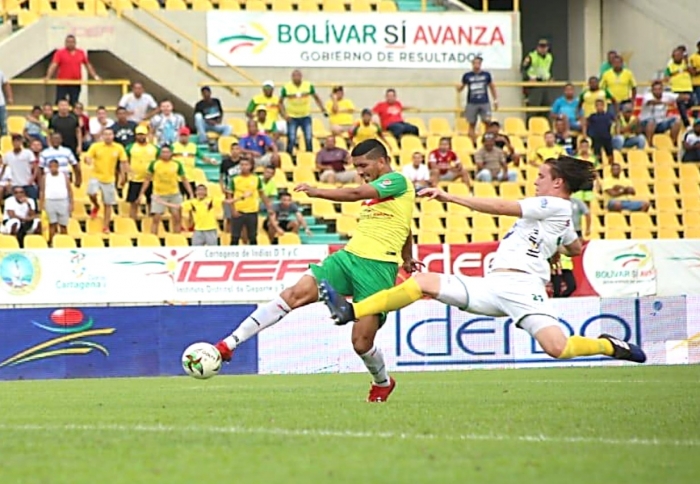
(690, 202)
(439, 127)
(5, 144)
(8, 242)
(125, 226)
(147, 240)
(289, 238)
(146, 224)
(538, 125)
(386, 6)
(176, 240)
(303, 176)
(306, 161)
(282, 6)
(353, 209)
(665, 172)
(319, 129)
(663, 142)
(463, 143)
(640, 220)
(202, 5)
(420, 124)
(663, 157)
(333, 6)
(175, 5)
(255, 6)
(392, 144)
(121, 5)
(149, 4)
(455, 238)
(15, 124)
(432, 142)
(94, 226)
(481, 236)
(515, 127)
(120, 240)
(346, 224)
(429, 223)
(671, 233)
(411, 143)
(431, 207)
(35, 241)
(689, 171)
(63, 241)
(307, 5)
(639, 172)
(229, 5)
(239, 126)
(360, 6)
(286, 163)
(461, 126)
(482, 222)
(323, 208)
(534, 142)
(67, 7)
(484, 189)
(457, 223)
(26, 18)
(668, 220)
(428, 238)
(92, 241)
(615, 220)
(506, 222)
(666, 204)
(691, 219)
(510, 190)
(224, 143)
(637, 157)
(74, 229)
(614, 233)
(689, 188)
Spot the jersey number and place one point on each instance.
(537, 298)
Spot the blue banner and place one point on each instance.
(116, 341)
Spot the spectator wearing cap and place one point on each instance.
(67, 64)
(366, 129)
(694, 66)
(537, 67)
(417, 171)
(124, 128)
(56, 199)
(187, 153)
(6, 98)
(390, 114)
(166, 125)
(260, 147)
(139, 105)
(295, 107)
(271, 101)
(478, 84)
(491, 162)
(629, 130)
(141, 154)
(21, 163)
(209, 116)
(691, 143)
(340, 110)
(330, 163)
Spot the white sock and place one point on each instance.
(374, 361)
(265, 316)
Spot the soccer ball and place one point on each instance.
(201, 361)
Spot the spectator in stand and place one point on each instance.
(141, 154)
(478, 84)
(629, 130)
(124, 129)
(5, 185)
(563, 280)
(585, 153)
(247, 189)
(65, 156)
(260, 147)
(271, 102)
(617, 190)
(56, 199)
(84, 123)
(268, 183)
(230, 167)
(691, 143)
(46, 115)
(209, 116)
(620, 82)
(586, 193)
(6, 98)
(107, 158)
(564, 138)
(68, 63)
(550, 150)
(265, 126)
(67, 124)
(33, 129)
(366, 129)
(36, 148)
(445, 165)
(503, 142)
(588, 97)
(139, 105)
(608, 64)
(340, 109)
(537, 67)
(166, 125)
(654, 116)
(330, 163)
(187, 153)
(20, 216)
(295, 107)
(491, 162)
(390, 114)
(694, 66)
(21, 162)
(99, 123)
(579, 211)
(166, 174)
(598, 127)
(284, 217)
(679, 79)
(566, 107)
(417, 171)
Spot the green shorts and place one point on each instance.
(584, 195)
(356, 276)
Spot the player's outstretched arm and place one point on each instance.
(345, 194)
(493, 206)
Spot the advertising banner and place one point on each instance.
(152, 275)
(69, 342)
(401, 40)
(620, 268)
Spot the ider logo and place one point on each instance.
(213, 271)
(465, 260)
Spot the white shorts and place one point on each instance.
(109, 192)
(511, 294)
(13, 224)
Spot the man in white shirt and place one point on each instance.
(5, 99)
(654, 116)
(99, 123)
(20, 216)
(64, 156)
(417, 171)
(515, 283)
(24, 171)
(691, 143)
(139, 105)
(166, 125)
(56, 199)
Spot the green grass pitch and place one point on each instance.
(607, 425)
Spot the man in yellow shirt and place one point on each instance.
(107, 157)
(340, 110)
(678, 76)
(550, 150)
(366, 129)
(271, 101)
(187, 153)
(295, 107)
(247, 188)
(694, 66)
(617, 189)
(619, 81)
(588, 97)
(141, 154)
(165, 174)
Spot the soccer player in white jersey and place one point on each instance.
(515, 285)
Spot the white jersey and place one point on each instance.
(544, 226)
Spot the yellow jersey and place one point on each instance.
(610, 182)
(202, 213)
(694, 61)
(298, 104)
(619, 84)
(272, 104)
(679, 76)
(186, 154)
(361, 132)
(166, 177)
(105, 159)
(340, 118)
(632, 123)
(240, 184)
(385, 222)
(140, 158)
(544, 153)
(588, 98)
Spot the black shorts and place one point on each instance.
(135, 190)
(284, 225)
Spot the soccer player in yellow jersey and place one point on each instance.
(107, 157)
(141, 154)
(367, 264)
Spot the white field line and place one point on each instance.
(349, 434)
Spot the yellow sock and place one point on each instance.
(389, 299)
(582, 346)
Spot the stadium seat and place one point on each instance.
(615, 220)
(614, 233)
(506, 222)
(691, 219)
(91, 241)
(455, 238)
(15, 124)
(8, 242)
(428, 238)
(668, 220)
(482, 222)
(303, 176)
(306, 161)
(361, 6)
(663, 142)
(176, 240)
(336, 6)
(239, 126)
(510, 191)
(147, 240)
(639, 172)
(484, 189)
(689, 171)
(346, 224)
(63, 241)
(255, 6)
(457, 223)
(74, 229)
(637, 157)
(323, 209)
(67, 8)
(671, 233)
(5, 144)
(411, 143)
(663, 157)
(666, 204)
(515, 127)
(463, 143)
(641, 220)
(35, 241)
(319, 129)
(481, 236)
(149, 4)
(289, 238)
(146, 224)
(307, 5)
(459, 189)
(121, 5)
(351, 208)
(392, 144)
(439, 127)
(175, 5)
(420, 124)
(229, 5)
(665, 172)
(538, 125)
(120, 240)
(461, 126)
(429, 223)
(125, 226)
(202, 5)
(386, 6)
(282, 6)
(431, 207)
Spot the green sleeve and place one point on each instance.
(199, 153)
(283, 92)
(260, 183)
(312, 89)
(390, 185)
(580, 96)
(152, 167)
(608, 95)
(667, 72)
(251, 107)
(354, 129)
(128, 149)
(180, 169)
(233, 184)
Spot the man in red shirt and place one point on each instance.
(68, 62)
(444, 165)
(390, 113)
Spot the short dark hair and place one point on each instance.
(285, 194)
(370, 148)
(53, 160)
(121, 108)
(576, 173)
(495, 123)
(391, 89)
(657, 83)
(270, 167)
(133, 83)
(568, 84)
(446, 138)
(101, 107)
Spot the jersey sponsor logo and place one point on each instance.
(375, 201)
(543, 202)
(386, 183)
